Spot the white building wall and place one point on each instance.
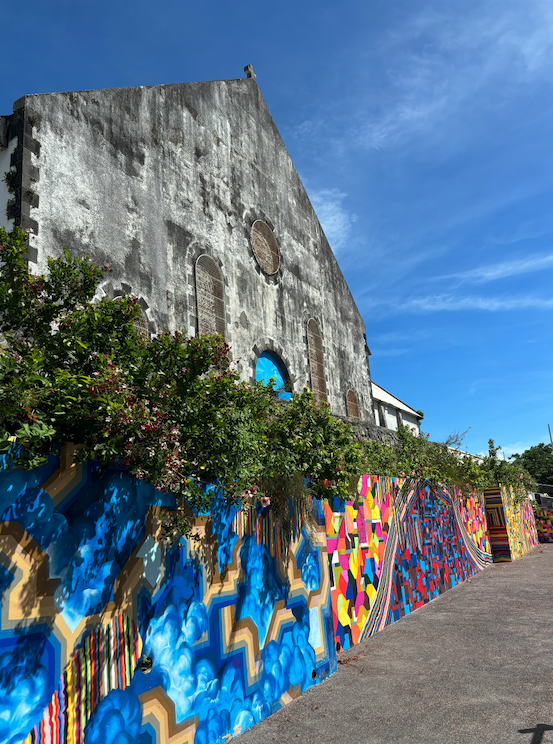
(391, 418)
(412, 422)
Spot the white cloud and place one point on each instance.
(484, 274)
(335, 220)
(517, 447)
(452, 303)
(441, 61)
(376, 352)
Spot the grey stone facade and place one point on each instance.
(150, 178)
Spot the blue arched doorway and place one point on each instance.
(269, 365)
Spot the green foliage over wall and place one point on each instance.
(172, 409)
(538, 461)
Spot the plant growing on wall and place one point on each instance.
(174, 411)
(170, 408)
(444, 462)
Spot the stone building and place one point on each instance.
(189, 191)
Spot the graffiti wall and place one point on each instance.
(512, 527)
(399, 545)
(544, 524)
(236, 624)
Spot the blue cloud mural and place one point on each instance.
(89, 538)
(24, 688)
(116, 720)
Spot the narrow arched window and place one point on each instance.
(141, 324)
(352, 405)
(316, 361)
(210, 297)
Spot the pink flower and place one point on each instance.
(402, 474)
(265, 501)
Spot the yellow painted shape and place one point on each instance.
(342, 607)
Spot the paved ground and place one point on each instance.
(474, 666)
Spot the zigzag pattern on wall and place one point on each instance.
(237, 623)
(236, 626)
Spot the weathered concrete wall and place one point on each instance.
(5, 166)
(150, 178)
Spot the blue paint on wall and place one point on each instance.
(116, 720)
(25, 685)
(88, 541)
(270, 366)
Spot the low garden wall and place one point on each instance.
(236, 625)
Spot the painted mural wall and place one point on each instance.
(398, 546)
(544, 524)
(511, 527)
(236, 623)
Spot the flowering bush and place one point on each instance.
(170, 408)
(173, 410)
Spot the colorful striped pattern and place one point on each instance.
(512, 527)
(266, 531)
(497, 528)
(399, 545)
(105, 662)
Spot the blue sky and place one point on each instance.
(423, 133)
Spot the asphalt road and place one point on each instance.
(475, 666)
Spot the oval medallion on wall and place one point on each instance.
(265, 247)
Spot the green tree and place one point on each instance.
(538, 461)
(173, 410)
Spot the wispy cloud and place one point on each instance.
(517, 447)
(454, 303)
(334, 218)
(502, 270)
(378, 352)
(440, 61)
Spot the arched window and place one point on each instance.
(316, 362)
(141, 324)
(269, 365)
(352, 405)
(210, 297)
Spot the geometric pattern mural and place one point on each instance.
(236, 626)
(236, 623)
(511, 527)
(544, 524)
(399, 545)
